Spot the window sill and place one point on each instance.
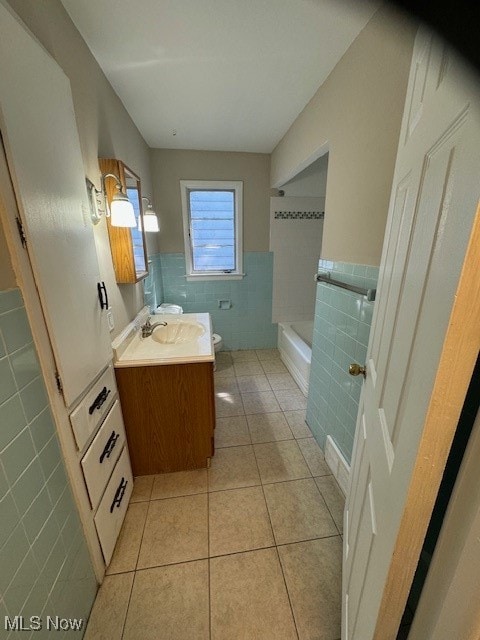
(214, 276)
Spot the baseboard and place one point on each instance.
(337, 463)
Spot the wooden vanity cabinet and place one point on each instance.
(169, 415)
(127, 244)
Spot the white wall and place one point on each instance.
(104, 126)
(296, 245)
(311, 182)
(356, 116)
(169, 166)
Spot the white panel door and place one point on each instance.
(435, 192)
(43, 151)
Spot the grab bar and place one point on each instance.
(325, 277)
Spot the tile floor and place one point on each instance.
(250, 549)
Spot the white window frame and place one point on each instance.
(212, 185)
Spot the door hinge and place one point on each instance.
(58, 380)
(21, 232)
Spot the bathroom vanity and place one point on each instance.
(165, 383)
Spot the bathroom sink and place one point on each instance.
(185, 339)
(178, 332)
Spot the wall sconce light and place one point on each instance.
(150, 220)
(121, 209)
(96, 201)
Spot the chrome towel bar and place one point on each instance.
(325, 277)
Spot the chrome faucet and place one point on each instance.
(147, 328)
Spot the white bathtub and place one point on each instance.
(295, 346)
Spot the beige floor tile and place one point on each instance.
(110, 608)
(176, 531)
(248, 368)
(298, 511)
(142, 488)
(278, 461)
(180, 483)
(226, 385)
(239, 521)
(223, 356)
(296, 422)
(260, 402)
(291, 399)
(231, 432)
(247, 384)
(273, 366)
(334, 498)
(313, 575)
(280, 381)
(233, 468)
(268, 427)
(245, 355)
(314, 457)
(127, 548)
(268, 354)
(170, 603)
(248, 598)
(228, 404)
(224, 370)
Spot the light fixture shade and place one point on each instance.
(121, 212)
(150, 219)
(150, 222)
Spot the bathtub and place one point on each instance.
(295, 346)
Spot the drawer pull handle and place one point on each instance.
(120, 492)
(99, 400)
(110, 446)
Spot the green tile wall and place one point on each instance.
(45, 567)
(153, 283)
(248, 324)
(340, 336)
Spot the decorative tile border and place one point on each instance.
(299, 215)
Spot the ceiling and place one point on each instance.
(226, 75)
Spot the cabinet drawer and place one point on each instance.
(111, 512)
(102, 454)
(92, 409)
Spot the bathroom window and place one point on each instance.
(212, 223)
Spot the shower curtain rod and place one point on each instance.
(325, 277)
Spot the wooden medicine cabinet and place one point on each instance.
(127, 244)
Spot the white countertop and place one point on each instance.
(131, 350)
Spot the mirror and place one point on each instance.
(127, 244)
(134, 194)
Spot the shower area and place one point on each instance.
(296, 228)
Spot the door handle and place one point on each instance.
(355, 370)
(102, 295)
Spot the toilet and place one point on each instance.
(217, 342)
(167, 307)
